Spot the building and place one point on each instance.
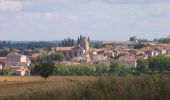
(0, 66)
(70, 52)
(75, 51)
(84, 43)
(13, 58)
(17, 63)
(2, 61)
(18, 70)
(128, 61)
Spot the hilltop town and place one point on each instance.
(82, 52)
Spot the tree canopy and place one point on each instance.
(44, 69)
(119, 69)
(142, 65)
(57, 57)
(159, 64)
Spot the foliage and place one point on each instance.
(5, 72)
(44, 69)
(42, 58)
(139, 46)
(101, 69)
(143, 40)
(142, 65)
(57, 57)
(67, 42)
(159, 64)
(53, 57)
(162, 40)
(73, 70)
(3, 53)
(101, 45)
(118, 69)
(1, 46)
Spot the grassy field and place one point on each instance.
(145, 87)
(11, 85)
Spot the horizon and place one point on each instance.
(105, 20)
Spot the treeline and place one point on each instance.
(159, 64)
(66, 70)
(67, 43)
(52, 57)
(162, 40)
(28, 45)
(102, 45)
(47, 68)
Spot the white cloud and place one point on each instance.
(12, 6)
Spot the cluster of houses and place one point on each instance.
(82, 53)
(17, 63)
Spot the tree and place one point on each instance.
(142, 65)
(73, 70)
(78, 41)
(5, 72)
(159, 64)
(101, 69)
(44, 69)
(124, 71)
(118, 69)
(1, 46)
(115, 67)
(139, 46)
(42, 58)
(57, 57)
(3, 53)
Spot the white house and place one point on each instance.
(17, 63)
(17, 59)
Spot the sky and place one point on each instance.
(109, 20)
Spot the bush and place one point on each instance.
(76, 70)
(101, 69)
(5, 72)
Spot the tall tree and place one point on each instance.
(78, 41)
(142, 65)
(118, 69)
(159, 64)
(44, 69)
(57, 57)
(115, 67)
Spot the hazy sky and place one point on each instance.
(100, 19)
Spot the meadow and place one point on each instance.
(12, 85)
(145, 87)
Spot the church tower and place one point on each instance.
(84, 43)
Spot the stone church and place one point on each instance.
(80, 49)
